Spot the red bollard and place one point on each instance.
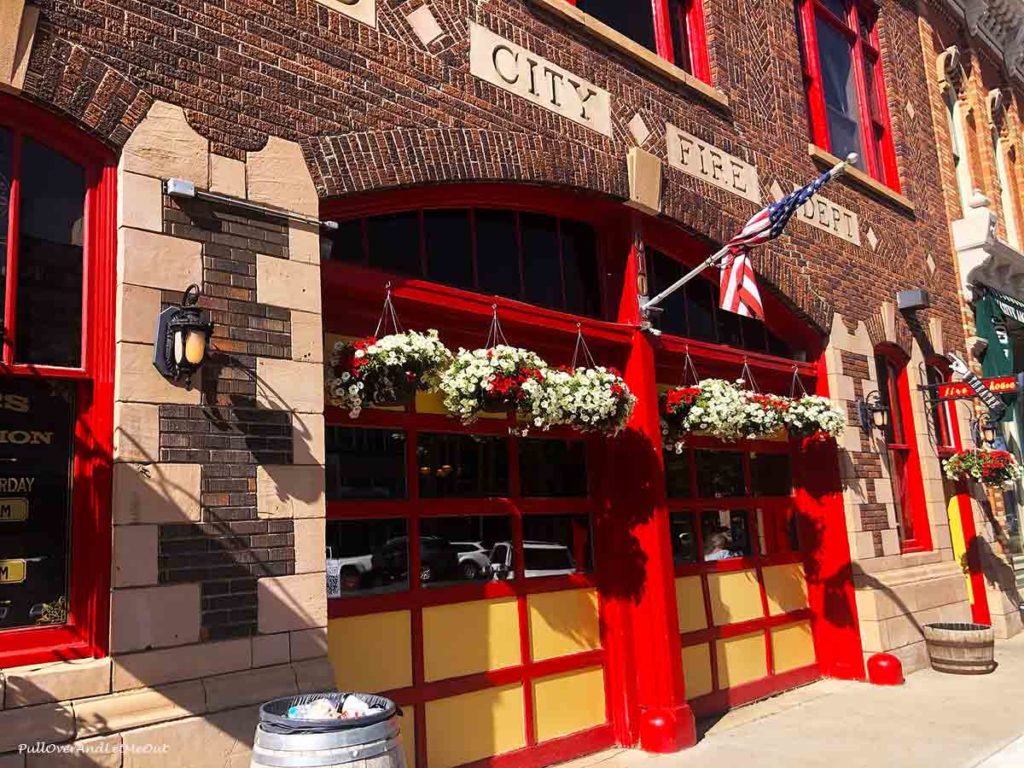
(885, 669)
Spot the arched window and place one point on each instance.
(942, 413)
(56, 392)
(961, 162)
(903, 456)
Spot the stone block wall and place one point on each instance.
(218, 596)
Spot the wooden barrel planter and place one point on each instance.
(365, 742)
(960, 648)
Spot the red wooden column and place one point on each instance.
(633, 535)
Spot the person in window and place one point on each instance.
(717, 546)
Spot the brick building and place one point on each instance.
(544, 160)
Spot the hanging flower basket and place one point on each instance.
(385, 371)
(764, 414)
(718, 410)
(814, 417)
(993, 469)
(586, 399)
(675, 406)
(498, 379)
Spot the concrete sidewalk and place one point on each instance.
(934, 720)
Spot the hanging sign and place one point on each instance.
(995, 406)
(36, 449)
(960, 390)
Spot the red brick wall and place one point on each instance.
(375, 108)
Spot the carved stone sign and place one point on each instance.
(360, 10)
(831, 217)
(511, 67)
(709, 163)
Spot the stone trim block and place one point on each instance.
(138, 670)
(97, 752)
(287, 283)
(308, 441)
(122, 711)
(139, 382)
(154, 617)
(59, 681)
(136, 432)
(139, 202)
(304, 242)
(310, 545)
(49, 723)
(308, 643)
(156, 493)
(137, 310)
(277, 175)
(253, 686)
(307, 337)
(270, 649)
(287, 385)
(135, 556)
(165, 145)
(220, 740)
(290, 491)
(227, 176)
(288, 603)
(158, 261)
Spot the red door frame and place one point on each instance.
(86, 632)
(645, 691)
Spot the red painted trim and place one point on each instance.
(726, 631)
(698, 40)
(727, 698)
(553, 751)
(86, 633)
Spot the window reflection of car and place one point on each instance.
(473, 560)
(541, 558)
(438, 560)
(352, 571)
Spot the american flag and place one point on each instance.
(738, 285)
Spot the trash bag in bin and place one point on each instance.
(274, 714)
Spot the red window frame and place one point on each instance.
(765, 553)
(85, 633)
(860, 28)
(942, 412)
(904, 454)
(680, 21)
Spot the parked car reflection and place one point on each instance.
(540, 558)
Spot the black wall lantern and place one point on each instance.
(984, 432)
(872, 413)
(182, 338)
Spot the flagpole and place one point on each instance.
(837, 169)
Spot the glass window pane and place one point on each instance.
(552, 467)
(729, 328)
(367, 556)
(680, 38)
(394, 242)
(634, 20)
(541, 261)
(701, 297)
(838, 7)
(365, 463)
(347, 242)
(579, 253)
(684, 539)
(462, 465)
(726, 534)
(449, 247)
(50, 258)
(770, 474)
(753, 334)
(898, 474)
(556, 545)
(662, 271)
(777, 531)
(677, 474)
(6, 159)
(777, 346)
(35, 508)
(458, 549)
(840, 91)
(719, 474)
(497, 253)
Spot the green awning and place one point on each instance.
(990, 322)
(1012, 307)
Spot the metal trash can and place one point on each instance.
(362, 742)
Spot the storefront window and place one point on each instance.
(719, 474)
(544, 260)
(365, 463)
(461, 465)
(770, 474)
(677, 474)
(458, 549)
(552, 467)
(556, 545)
(684, 540)
(367, 556)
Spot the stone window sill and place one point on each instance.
(858, 178)
(648, 59)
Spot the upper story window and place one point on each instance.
(958, 145)
(532, 257)
(1006, 167)
(674, 29)
(845, 89)
(942, 413)
(693, 312)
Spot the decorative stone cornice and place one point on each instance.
(999, 24)
(985, 259)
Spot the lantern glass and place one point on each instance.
(195, 347)
(988, 433)
(880, 416)
(179, 347)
